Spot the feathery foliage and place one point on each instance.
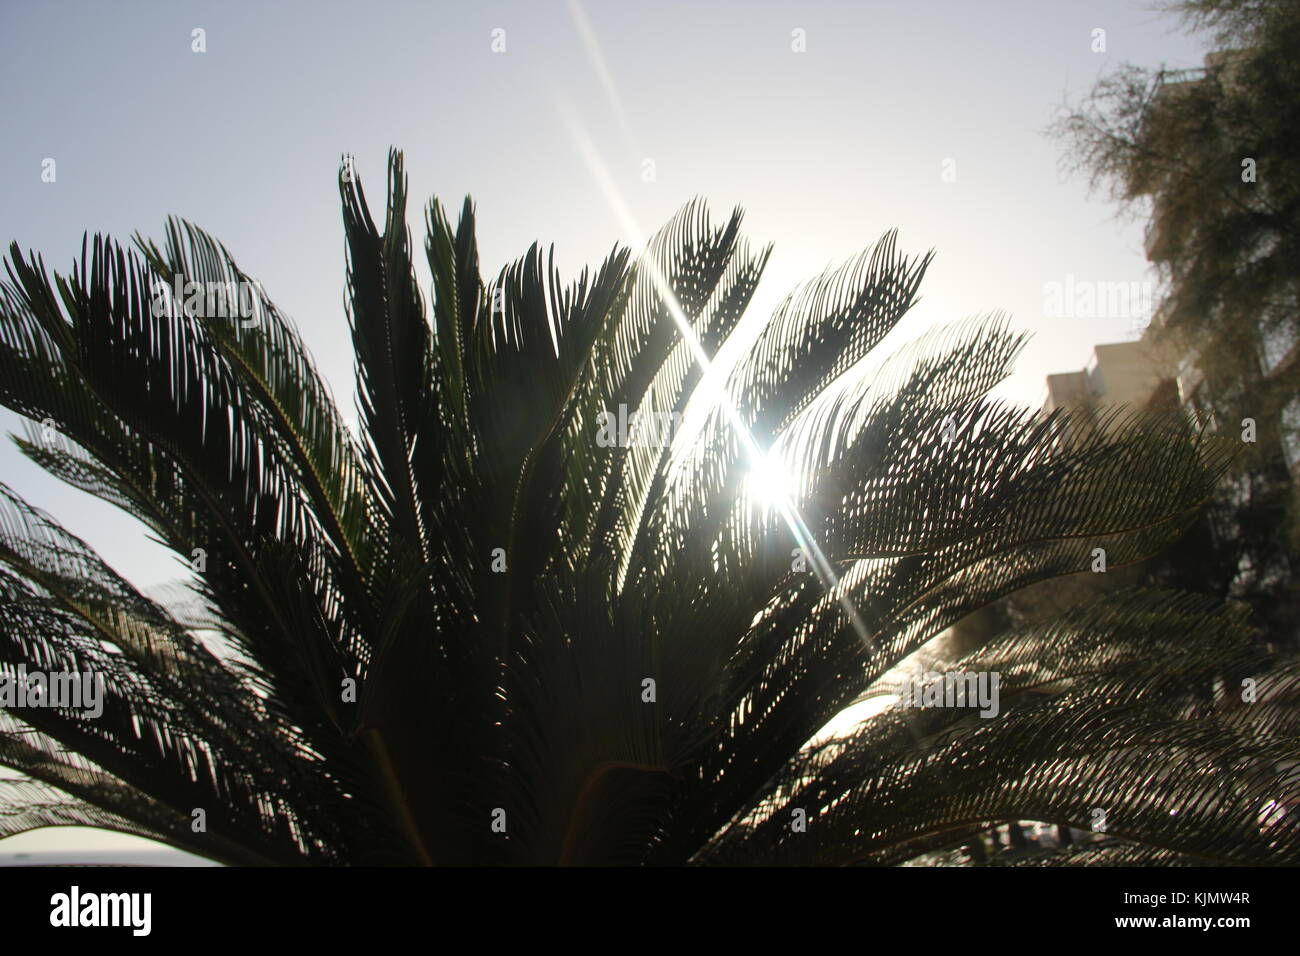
(501, 583)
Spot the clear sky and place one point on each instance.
(825, 149)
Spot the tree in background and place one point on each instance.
(1209, 156)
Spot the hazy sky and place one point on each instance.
(825, 149)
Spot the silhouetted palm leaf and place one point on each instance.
(501, 583)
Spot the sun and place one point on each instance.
(768, 483)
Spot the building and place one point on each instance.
(1119, 373)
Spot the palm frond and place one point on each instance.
(567, 649)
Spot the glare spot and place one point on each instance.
(768, 483)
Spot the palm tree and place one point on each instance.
(473, 629)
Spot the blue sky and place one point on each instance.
(825, 149)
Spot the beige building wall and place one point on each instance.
(1119, 373)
